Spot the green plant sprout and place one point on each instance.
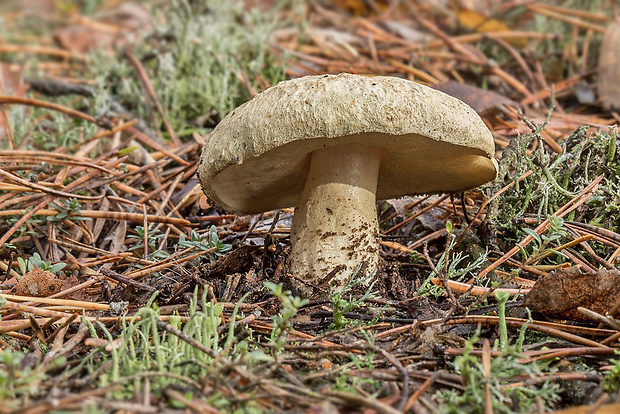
(153, 241)
(143, 349)
(17, 380)
(502, 298)
(507, 365)
(352, 383)
(504, 398)
(205, 242)
(282, 322)
(28, 265)
(65, 210)
(556, 179)
(457, 269)
(611, 379)
(555, 233)
(342, 305)
(204, 60)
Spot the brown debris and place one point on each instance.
(560, 293)
(415, 337)
(37, 282)
(478, 98)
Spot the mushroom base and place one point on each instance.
(335, 227)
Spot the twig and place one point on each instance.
(148, 85)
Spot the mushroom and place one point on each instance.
(333, 145)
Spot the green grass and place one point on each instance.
(196, 60)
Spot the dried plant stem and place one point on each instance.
(115, 215)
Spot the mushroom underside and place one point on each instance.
(411, 164)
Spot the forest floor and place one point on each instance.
(124, 289)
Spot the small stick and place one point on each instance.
(115, 215)
(44, 189)
(461, 287)
(566, 19)
(146, 140)
(420, 391)
(48, 105)
(41, 50)
(148, 85)
(59, 302)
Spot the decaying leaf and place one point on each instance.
(477, 98)
(238, 261)
(559, 294)
(609, 68)
(37, 282)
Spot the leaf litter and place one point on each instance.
(160, 300)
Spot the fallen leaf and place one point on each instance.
(237, 261)
(37, 282)
(400, 205)
(560, 293)
(477, 98)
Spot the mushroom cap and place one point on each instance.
(257, 158)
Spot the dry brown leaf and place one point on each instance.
(560, 293)
(477, 98)
(37, 282)
(609, 68)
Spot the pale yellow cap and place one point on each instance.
(256, 159)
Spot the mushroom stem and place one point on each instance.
(335, 227)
